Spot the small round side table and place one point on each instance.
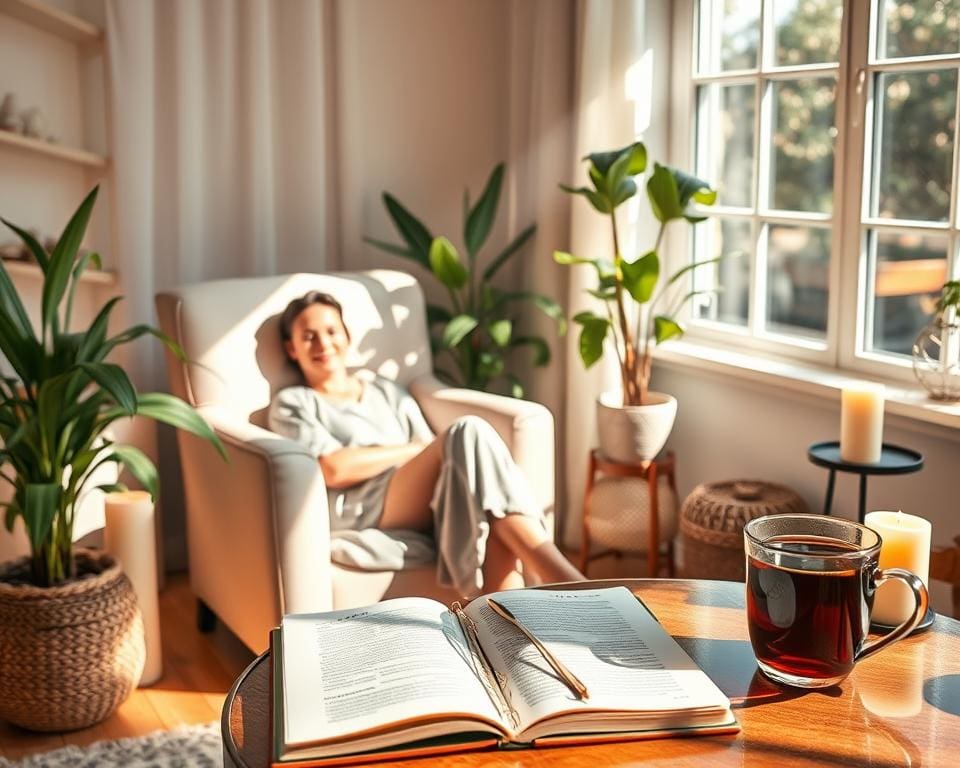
(894, 460)
(650, 471)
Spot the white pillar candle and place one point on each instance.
(861, 422)
(906, 544)
(130, 536)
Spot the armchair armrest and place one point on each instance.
(274, 498)
(526, 427)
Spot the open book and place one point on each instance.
(412, 677)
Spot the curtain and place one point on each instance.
(614, 48)
(219, 118)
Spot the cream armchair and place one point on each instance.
(257, 527)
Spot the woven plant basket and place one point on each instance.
(70, 654)
(712, 521)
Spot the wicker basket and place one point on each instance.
(70, 654)
(712, 521)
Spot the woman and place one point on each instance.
(384, 468)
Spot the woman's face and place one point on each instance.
(318, 342)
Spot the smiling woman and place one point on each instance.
(385, 469)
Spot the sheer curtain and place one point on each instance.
(220, 126)
(615, 39)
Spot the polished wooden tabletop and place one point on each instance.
(898, 708)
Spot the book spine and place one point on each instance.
(493, 681)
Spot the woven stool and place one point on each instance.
(712, 521)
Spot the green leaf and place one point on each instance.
(477, 226)
(640, 277)
(139, 465)
(115, 381)
(585, 317)
(663, 194)
(636, 154)
(173, 411)
(78, 270)
(541, 350)
(490, 365)
(545, 304)
(38, 251)
(60, 266)
(690, 187)
(446, 265)
(500, 331)
(592, 334)
(396, 250)
(12, 306)
(515, 245)
(458, 329)
(630, 161)
(437, 314)
(598, 200)
(41, 503)
(411, 229)
(694, 264)
(516, 387)
(97, 332)
(10, 517)
(666, 328)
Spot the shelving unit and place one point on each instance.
(52, 20)
(30, 270)
(56, 151)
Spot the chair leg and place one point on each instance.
(206, 619)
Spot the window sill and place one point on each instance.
(909, 405)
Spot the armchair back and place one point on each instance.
(230, 331)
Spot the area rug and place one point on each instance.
(196, 746)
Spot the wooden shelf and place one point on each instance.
(29, 269)
(57, 151)
(53, 20)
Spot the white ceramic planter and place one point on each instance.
(634, 433)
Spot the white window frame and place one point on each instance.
(844, 346)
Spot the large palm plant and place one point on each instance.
(57, 407)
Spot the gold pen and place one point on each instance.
(572, 681)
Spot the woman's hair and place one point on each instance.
(295, 307)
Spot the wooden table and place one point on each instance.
(900, 707)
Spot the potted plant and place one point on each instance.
(478, 330)
(71, 645)
(936, 350)
(640, 307)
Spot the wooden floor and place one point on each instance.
(198, 671)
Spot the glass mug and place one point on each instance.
(811, 580)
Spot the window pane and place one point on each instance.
(729, 35)
(802, 152)
(919, 28)
(807, 31)
(916, 135)
(798, 270)
(726, 139)
(731, 276)
(910, 270)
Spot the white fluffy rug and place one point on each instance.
(196, 746)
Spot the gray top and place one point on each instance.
(385, 414)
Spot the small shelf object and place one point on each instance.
(53, 20)
(894, 460)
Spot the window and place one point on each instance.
(829, 129)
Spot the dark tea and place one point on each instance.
(808, 623)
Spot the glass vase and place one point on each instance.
(936, 356)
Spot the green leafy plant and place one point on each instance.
(478, 330)
(949, 297)
(670, 193)
(56, 410)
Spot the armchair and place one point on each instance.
(258, 536)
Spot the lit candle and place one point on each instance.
(130, 536)
(861, 422)
(906, 544)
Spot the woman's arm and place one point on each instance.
(349, 466)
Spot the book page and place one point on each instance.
(355, 670)
(606, 638)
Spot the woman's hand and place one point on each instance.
(350, 466)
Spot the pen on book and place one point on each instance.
(572, 681)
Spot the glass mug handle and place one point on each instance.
(880, 575)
